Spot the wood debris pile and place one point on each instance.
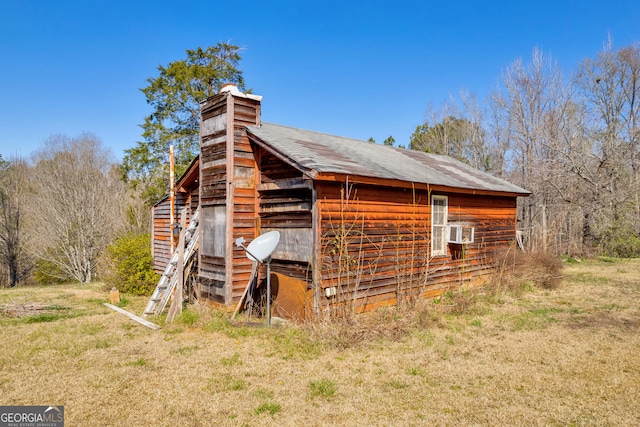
(24, 309)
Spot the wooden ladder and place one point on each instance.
(169, 279)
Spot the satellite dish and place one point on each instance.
(262, 246)
(260, 250)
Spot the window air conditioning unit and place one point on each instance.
(460, 234)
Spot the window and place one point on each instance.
(460, 233)
(439, 225)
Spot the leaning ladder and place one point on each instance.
(169, 279)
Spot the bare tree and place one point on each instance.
(13, 232)
(575, 144)
(528, 111)
(437, 134)
(499, 145)
(79, 203)
(454, 132)
(610, 88)
(137, 212)
(477, 151)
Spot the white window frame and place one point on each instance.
(439, 230)
(460, 234)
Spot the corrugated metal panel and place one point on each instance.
(318, 153)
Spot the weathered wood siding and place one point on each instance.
(160, 237)
(285, 205)
(213, 198)
(375, 243)
(161, 226)
(244, 209)
(228, 195)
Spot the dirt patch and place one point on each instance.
(605, 320)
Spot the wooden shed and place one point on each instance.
(362, 225)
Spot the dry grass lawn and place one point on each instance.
(568, 356)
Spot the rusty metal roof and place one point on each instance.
(317, 153)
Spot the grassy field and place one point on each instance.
(567, 356)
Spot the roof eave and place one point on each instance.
(355, 179)
(309, 173)
(190, 175)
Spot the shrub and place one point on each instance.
(515, 270)
(47, 273)
(357, 329)
(132, 269)
(620, 242)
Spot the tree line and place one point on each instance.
(61, 210)
(574, 142)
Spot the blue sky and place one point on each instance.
(355, 69)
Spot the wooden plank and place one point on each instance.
(229, 189)
(133, 317)
(176, 304)
(286, 184)
(254, 269)
(295, 244)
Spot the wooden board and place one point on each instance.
(133, 317)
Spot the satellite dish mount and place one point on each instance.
(260, 250)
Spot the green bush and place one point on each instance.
(621, 239)
(47, 273)
(620, 244)
(132, 270)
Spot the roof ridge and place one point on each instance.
(401, 149)
(321, 133)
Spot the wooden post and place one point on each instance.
(172, 198)
(544, 228)
(176, 304)
(254, 270)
